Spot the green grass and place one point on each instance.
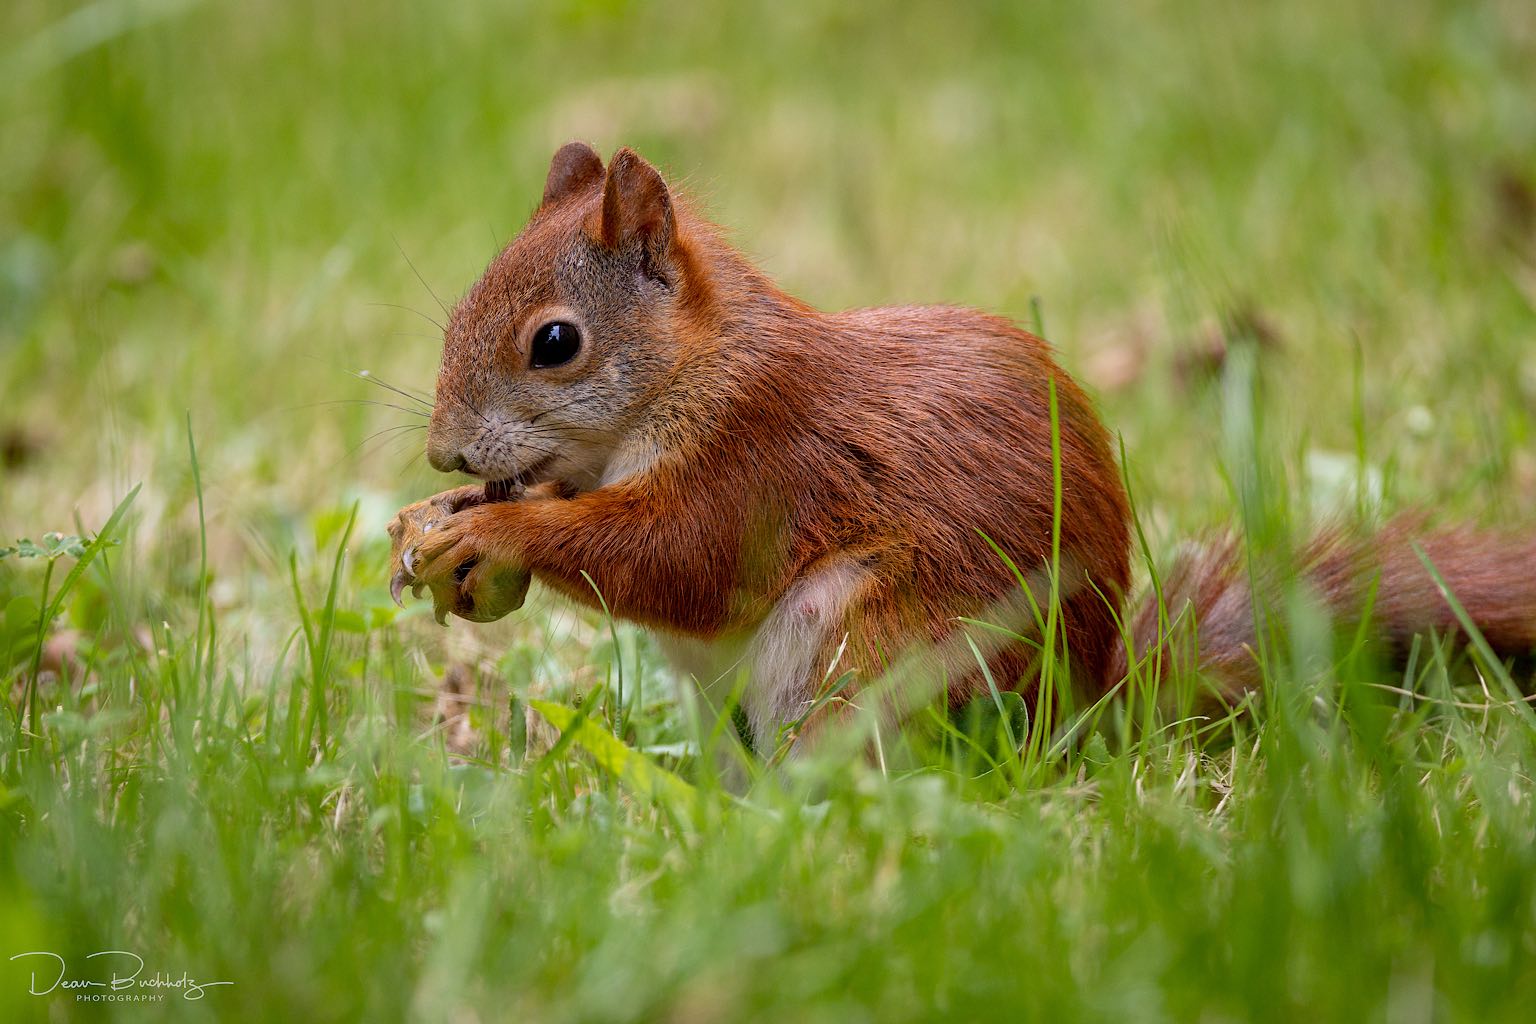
(205, 217)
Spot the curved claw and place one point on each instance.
(397, 588)
(408, 559)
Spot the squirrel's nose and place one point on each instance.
(445, 460)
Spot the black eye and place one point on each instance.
(554, 344)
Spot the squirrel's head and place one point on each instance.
(551, 358)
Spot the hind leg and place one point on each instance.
(796, 649)
(843, 640)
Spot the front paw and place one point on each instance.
(467, 576)
(412, 523)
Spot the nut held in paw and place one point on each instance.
(501, 593)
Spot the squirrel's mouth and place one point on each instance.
(511, 488)
(502, 490)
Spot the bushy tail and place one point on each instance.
(1376, 578)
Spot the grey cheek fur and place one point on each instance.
(502, 418)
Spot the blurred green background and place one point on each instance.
(215, 212)
(214, 208)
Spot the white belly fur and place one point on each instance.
(779, 656)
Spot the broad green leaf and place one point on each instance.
(380, 616)
(348, 621)
(21, 615)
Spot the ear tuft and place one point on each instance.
(575, 167)
(636, 207)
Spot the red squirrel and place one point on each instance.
(659, 424)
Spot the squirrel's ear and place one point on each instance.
(636, 207)
(574, 168)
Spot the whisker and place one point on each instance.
(461, 396)
(411, 309)
(402, 392)
(392, 448)
(391, 430)
(419, 277)
(574, 433)
(414, 459)
(358, 401)
(566, 405)
(400, 441)
(356, 453)
(414, 394)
